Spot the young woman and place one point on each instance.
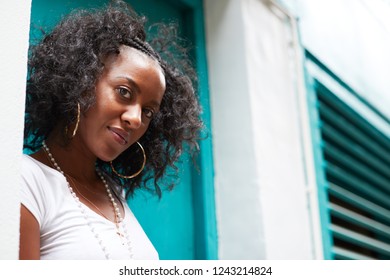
(105, 114)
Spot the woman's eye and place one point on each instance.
(148, 113)
(124, 92)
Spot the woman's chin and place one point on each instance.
(107, 158)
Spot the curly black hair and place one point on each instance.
(66, 64)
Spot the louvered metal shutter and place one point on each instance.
(357, 169)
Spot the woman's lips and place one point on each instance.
(119, 135)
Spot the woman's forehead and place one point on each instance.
(129, 54)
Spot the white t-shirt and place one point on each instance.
(64, 231)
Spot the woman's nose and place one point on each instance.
(133, 116)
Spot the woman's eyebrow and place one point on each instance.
(131, 82)
(137, 89)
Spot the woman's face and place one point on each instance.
(128, 94)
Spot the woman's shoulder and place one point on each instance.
(31, 171)
(34, 170)
(30, 162)
(31, 166)
(38, 187)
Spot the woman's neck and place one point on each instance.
(73, 159)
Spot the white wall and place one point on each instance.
(14, 29)
(262, 193)
(240, 232)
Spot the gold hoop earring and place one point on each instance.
(77, 123)
(136, 173)
(78, 120)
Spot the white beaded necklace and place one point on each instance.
(118, 216)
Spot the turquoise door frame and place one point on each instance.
(203, 194)
(197, 239)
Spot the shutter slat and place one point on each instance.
(360, 220)
(361, 240)
(356, 167)
(360, 202)
(357, 151)
(353, 133)
(343, 254)
(342, 109)
(360, 186)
